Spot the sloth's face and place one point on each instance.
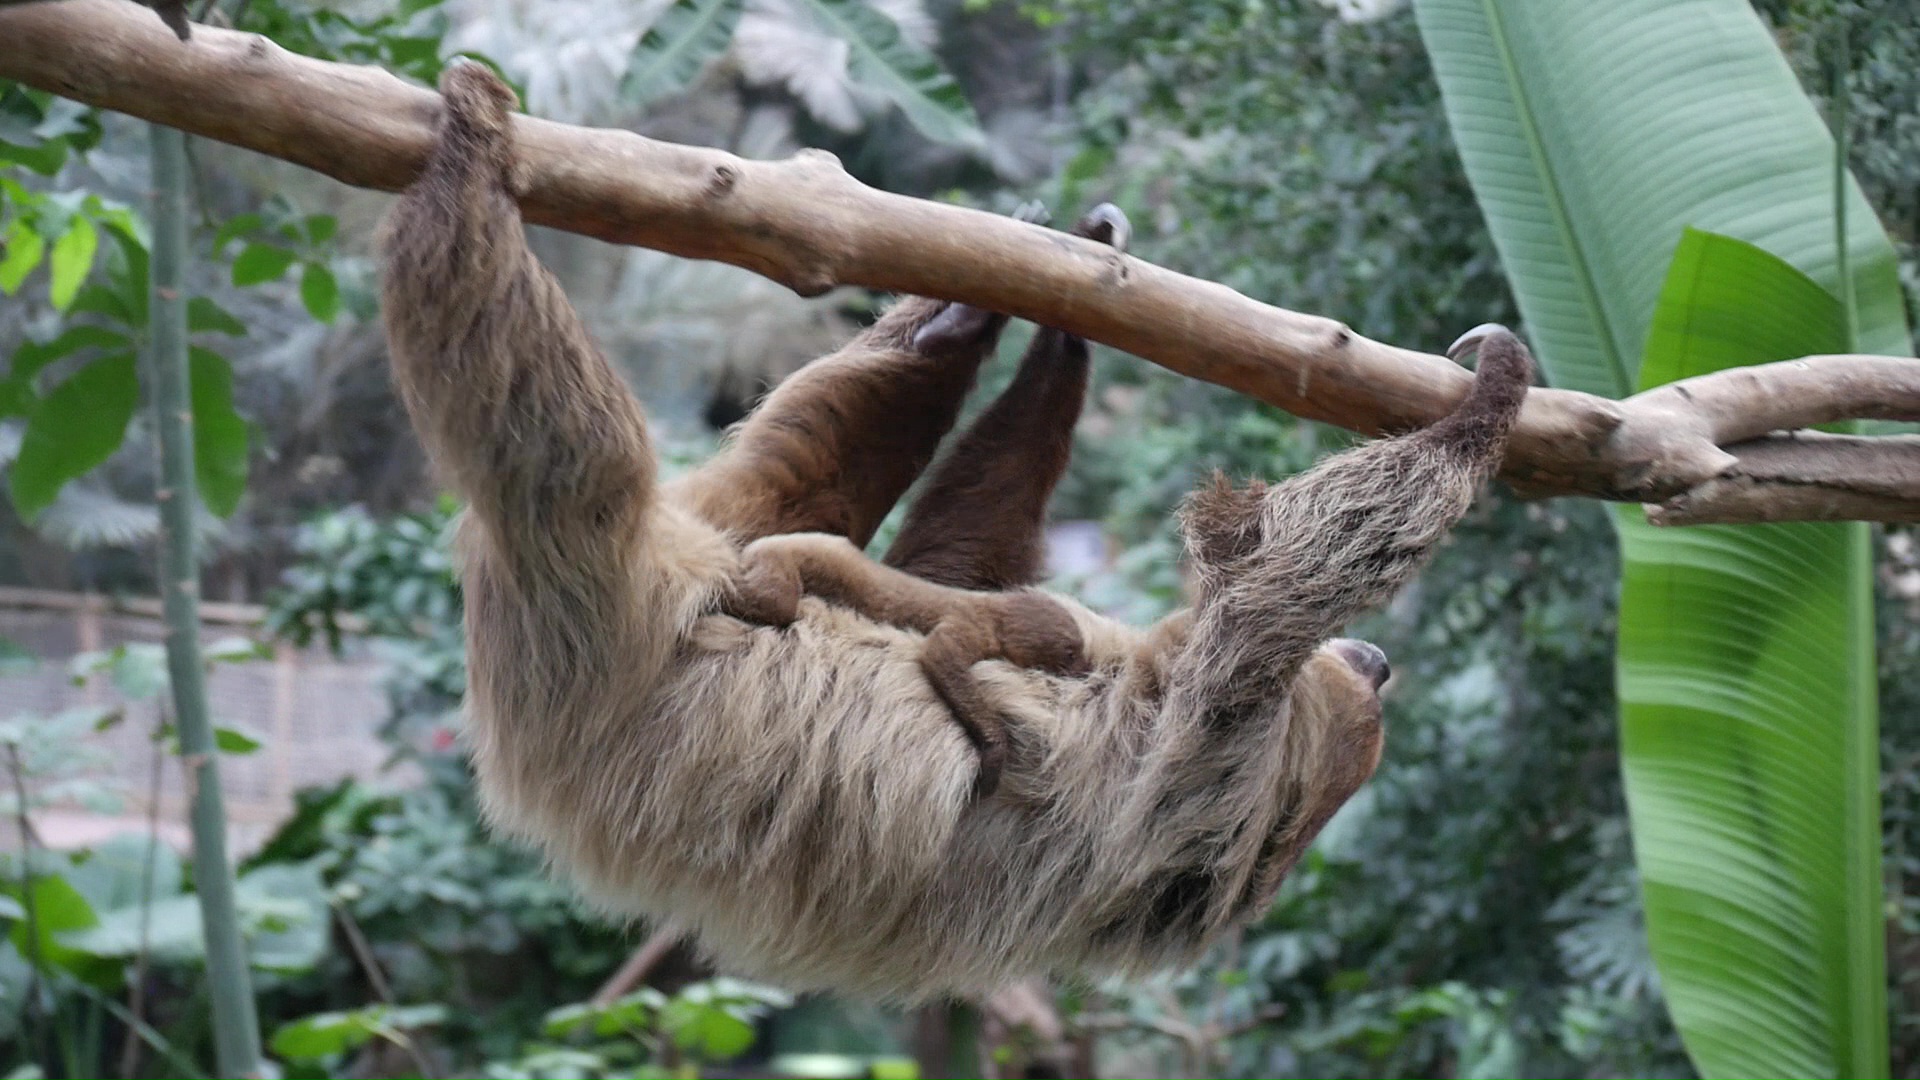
(1339, 692)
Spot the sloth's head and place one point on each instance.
(1337, 720)
(1333, 740)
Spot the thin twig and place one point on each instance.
(159, 1043)
(137, 988)
(377, 978)
(30, 1001)
(638, 966)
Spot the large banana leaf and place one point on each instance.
(1749, 743)
(1594, 134)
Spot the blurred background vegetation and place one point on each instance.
(1474, 912)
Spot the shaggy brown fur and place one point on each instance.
(799, 798)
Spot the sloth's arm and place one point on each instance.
(1022, 627)
(515, 403)
(836, 444)
(1283, 568)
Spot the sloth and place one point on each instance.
(800, 798)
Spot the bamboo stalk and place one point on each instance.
(236, 1027)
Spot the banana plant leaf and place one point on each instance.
(1594, 136)
(1748, 725)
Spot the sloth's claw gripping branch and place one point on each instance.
(516, 405)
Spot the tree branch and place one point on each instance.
(807, 224)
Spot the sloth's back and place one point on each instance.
(802, 801)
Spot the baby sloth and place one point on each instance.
(978, 525)
(800, 797)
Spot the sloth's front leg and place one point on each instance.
(1023, 627)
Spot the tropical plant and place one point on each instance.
(1749, 744)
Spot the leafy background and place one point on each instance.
(1477, 912)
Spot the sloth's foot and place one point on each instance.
(960, 324)
(1107, 224)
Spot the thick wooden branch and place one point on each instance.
(806, 223)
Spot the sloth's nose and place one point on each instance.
(1364, 657)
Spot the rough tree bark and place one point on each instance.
(1706, 449)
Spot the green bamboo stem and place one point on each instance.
(236, 1027)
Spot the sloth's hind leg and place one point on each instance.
(980, 521)
(833, 447)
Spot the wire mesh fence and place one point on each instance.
(315, 713)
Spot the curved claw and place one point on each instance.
(1108, 224)
(1471, 340)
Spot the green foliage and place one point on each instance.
(404, 37)
(1882, 83)
(884, 60)
(328, 1036)
(80, 421)
(1300, 159)
(73, 429)
(220, 436)
(396, 578)
(1587, 197)
(1587, 194)
(275, 240)
(678, 46)
(39, 130)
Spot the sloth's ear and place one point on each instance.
(1222, 522)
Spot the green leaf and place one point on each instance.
(881, 58)
(321, 227)
(23, 249)
(630, 1013)
(319, 292)
(261, 262)
(130, 275)
(32, 356)
(707, 1031)
(138, 669)
(326, 1035)
(287, 920)
(1761, 881)
(235, 650)
(78, 426)
(169, 928)
(70, 261)
(205, 316)
(230, 740)
(681, 41)
(103, 301)
(58, 908)
(44, 158)
(1749, 734)
(220, 441)
(235, 227)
